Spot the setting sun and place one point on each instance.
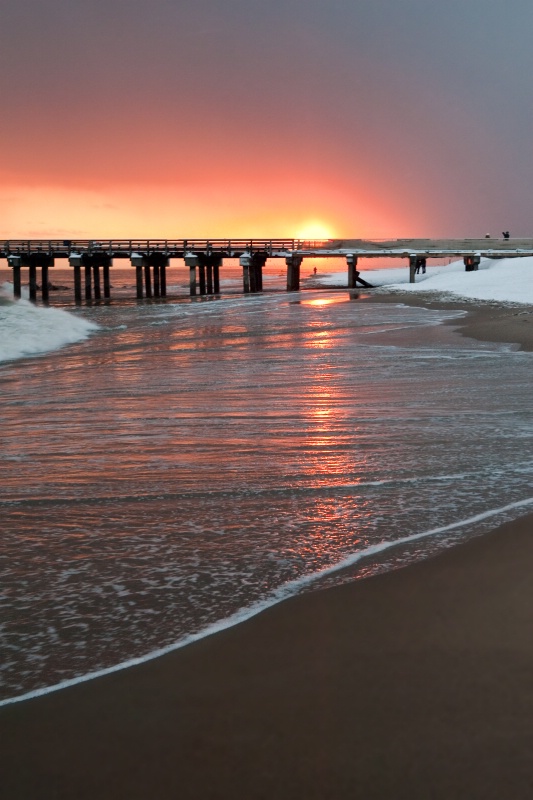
(315, 229)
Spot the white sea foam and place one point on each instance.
(289, 589)
(26, 329)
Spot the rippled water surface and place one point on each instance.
(189, 459)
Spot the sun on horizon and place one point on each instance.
(315, 230)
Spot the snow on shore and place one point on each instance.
(506, 280)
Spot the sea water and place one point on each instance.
(168, 468)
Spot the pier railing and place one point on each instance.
(124, 248)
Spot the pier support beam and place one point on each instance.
(33, 283)
(209, 276)
(147, 281)
(416, 264)
(201, 274)
(412, 268)
(157, 281)
(139, 282)
(245, 261)
(353, 274)
(91, 263)
(45, 286)
(252, 271)
(107, 283)
(33, 261)
(76, 260)
(88, 283)
(96, 281)
(472, 262)
(15, 263)
(144, 264)
(293, 272)
(217, 263)
(256, 271)
(191, 261)
(163, 276)
(77, 284)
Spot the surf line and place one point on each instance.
(284, 592)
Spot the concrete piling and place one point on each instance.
(45, 285)
(107, 282)
(201, 275)
(353, 274)
(217, 263)
(412, 268)
(293, 272)
(245, 261)
(472, 262)
(209, 276)
(191, 261)
(88, 284)
(33, 283)
(147, 281)
(15, 263)
(76, 260)
(96, 281)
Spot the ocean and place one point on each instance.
(170, 468)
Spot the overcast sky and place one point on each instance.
(196, 117)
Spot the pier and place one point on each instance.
(92, 260)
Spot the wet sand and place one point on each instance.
(485, 321)
(413, 684)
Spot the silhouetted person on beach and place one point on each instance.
(505, 234)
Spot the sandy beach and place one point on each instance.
(485, 321)
(411, 684)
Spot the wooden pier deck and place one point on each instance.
(91, 260)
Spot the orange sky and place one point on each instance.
(305, 210)
(130, 118)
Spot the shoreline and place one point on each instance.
(486, 321)
(412, 683)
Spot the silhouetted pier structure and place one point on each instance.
(92, 260)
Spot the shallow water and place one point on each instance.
(189, 459)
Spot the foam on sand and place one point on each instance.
(26, 329)
(284, 592)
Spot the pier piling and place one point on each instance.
(191, 261)
(33, 283)
(217, 263)
(45, 285)
(15, 264)
(96, 281)
(147, 281)
(412, 268)
(75, 260)
(201, 274)
(107, 282)
(293, 272)
(472, 262)
(245, 260)
(163, 276)
(353, 274)
(88, 284)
